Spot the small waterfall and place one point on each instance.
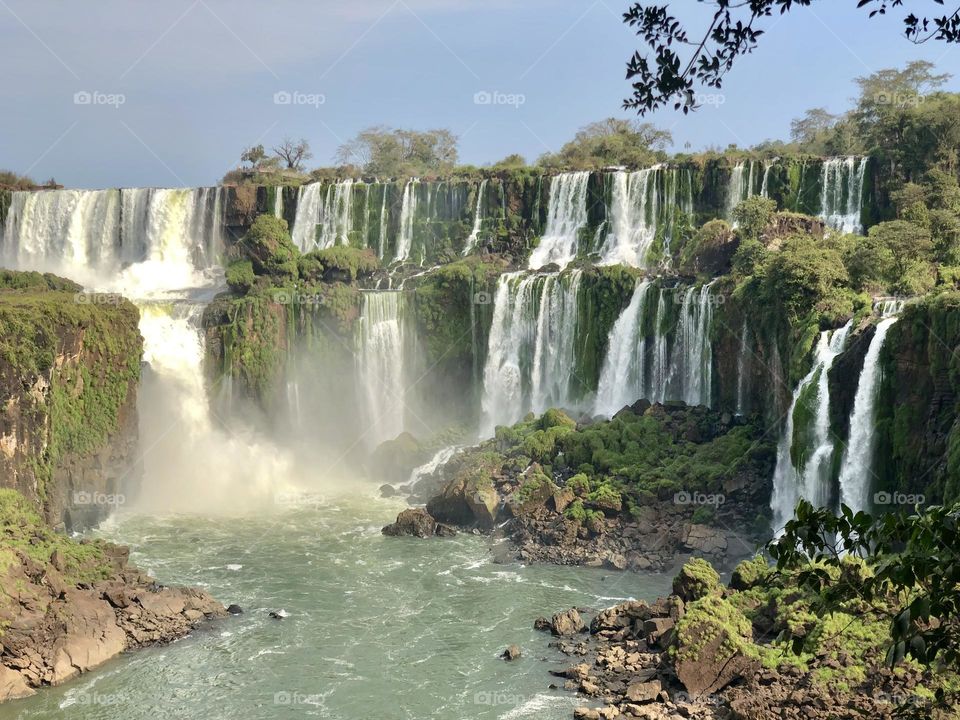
(566, 216)
(622, 377)
(810, 477)
(739, 188)
(633, 217)
(691, 368)
(531, 353)
(477, 219)
(660, 367)
(743, 369)
(765, 185)
(278, 201)
(856, 469)
(841, 199)
(324, 217)
(306, 222)
(380, 365)
(384, 220)
(441, 458)
(408, 217)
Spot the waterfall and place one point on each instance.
(156, 246)
(278, 201)
(384, 219)
(324, 218)
(856, 469)
(442, 457)
(805, 472)
(691, 368)
(743, 372)
(307, 219)
(659, 368)
(566, 216)
(477, 219)
(408, 216)
(841, 197)
(633, 218)
(531, 353)
(765, 185)
(380, 365)
(622, 377)
(739, 188)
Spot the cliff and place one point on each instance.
(69, 367)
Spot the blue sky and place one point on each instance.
(198, 78)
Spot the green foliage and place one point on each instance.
(268, 246)
(610, 142)
(394, 153)
(349, 261)
(240, 276)
(753, 216)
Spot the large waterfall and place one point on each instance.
(531, 360)
(380, 365)
(566, 217)
(324, 215)
(159, 248)
(640, 362)
(856, 472)
(841, 197)
(804, 468)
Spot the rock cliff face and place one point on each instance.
(69, 367)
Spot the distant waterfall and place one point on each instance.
(531, 355)
(278, 201)
(471, 243)
(408, 217)
(380, 365)
(324, 215)
(765, 184)
(638, 366)
(384, 221)
(743, 368)
(566, 217)
(841, 197)
(805, 472)
(856, 470)
(741, 185)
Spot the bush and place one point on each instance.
(240, 276)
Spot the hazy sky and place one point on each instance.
(198, 78)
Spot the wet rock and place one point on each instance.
(511, 653)
(235, 610)
(567, 623)
(414, 522)
(643, 692)
(388, 491)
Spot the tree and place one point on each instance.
(254, 155)
(810, 128)
(294, 154)
(753, 216)
(387, 152)
(612, 141)
(510, 162)
(664, 77)
(908, 244)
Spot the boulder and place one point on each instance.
(695, 580)
(568, 622)
(704, 539)
(413, 522)
(562, 497)
(511, 653)
(643, 692)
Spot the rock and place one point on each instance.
(466, 500)
(704, 539)
(562, 497)
(695, 580)
(414, 522)
(279, 614)
(616, 561)
(511, 653)
(620, 616)
(12, 685)
(659, 631)
(643, 692)
(566, 623)
(542, 623)
(585, 713)
(235, 610)
(388, 491)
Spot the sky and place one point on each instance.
(121, 93)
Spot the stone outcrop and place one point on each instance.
(417, 522)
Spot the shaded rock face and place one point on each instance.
(417, 522)
(55, 631)
(82, 485)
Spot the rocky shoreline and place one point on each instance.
(694, 655)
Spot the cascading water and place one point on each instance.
(566, 216)
(408, 217)
(278, 201)
(380, 365)
(805, 472)
(471, 243)
(161, 256)
(633, 217)
(856, 470)
(530, 359)
(691, 370)
(622, 377)
(741, 186)
(384, 221)
(324, 215)
(743, 372)
(841, 197)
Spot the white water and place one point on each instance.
(743, 370)
(741, 186)
(324, 215)
(161, 256)
(692, 361)
(765, 185)
(566, 216)
(531, 354)
(380, 364)
(841, 199)
(856, 470)
(442, 457)
(633, 218)
(471, 243)
(810, 481)
(408, 216)
(622, 377)
(278, 202)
